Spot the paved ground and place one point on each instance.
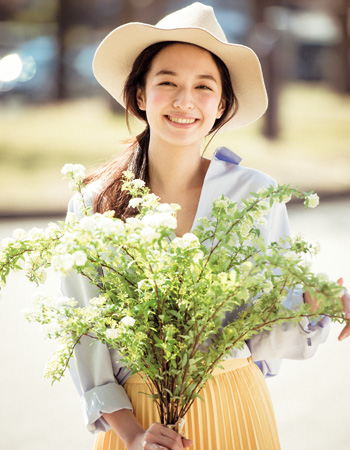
(311, 398)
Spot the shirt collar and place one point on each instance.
(227, 155)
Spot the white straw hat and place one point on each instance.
(195, 24)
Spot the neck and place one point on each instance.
(175, 170)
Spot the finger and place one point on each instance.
(345, 333)
(168, 442)
(346, 303)
(187, 442)
(340, 281)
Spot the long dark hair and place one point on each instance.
(135, 157)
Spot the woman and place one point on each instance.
(185, 81)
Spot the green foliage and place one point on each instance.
(161, 299)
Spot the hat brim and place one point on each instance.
(117, 52)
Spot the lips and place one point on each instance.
(181, 120)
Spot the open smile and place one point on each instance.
(181, 120)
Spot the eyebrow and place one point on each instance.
(202, 77)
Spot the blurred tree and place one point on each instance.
(264, 40)
(8, 8)
(343, 13)
(71, 13)
(34, 11)
(64, 21)
(340, 10)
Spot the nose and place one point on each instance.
(183, 99)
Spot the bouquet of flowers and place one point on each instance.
(160, 299)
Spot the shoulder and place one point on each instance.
(227, 169)
(78, 201)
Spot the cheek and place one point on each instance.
(210, 104)
(156, 98)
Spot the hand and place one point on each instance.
(346, 303)
(159, 437)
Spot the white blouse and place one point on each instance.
(96, 372)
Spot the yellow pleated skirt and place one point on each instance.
(236, 414)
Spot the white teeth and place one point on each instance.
(178, 120)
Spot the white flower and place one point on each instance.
(76, 171)
(80, 258)
(149, 234)
(306, 264)
(128, 175)
(66, 169)
(39, 297)
(323, 276)
(290, 256)
(36, 233)
(245, 229)
(19, 233)
(233, 275)
(98, 301)
(51, 329)
(128, 321)
(41, 275)
(6, 242)
(135, 202)
(222, 277)
(70, 217)
(191, 239)
(265, 205)
(263, 222)
(164, 208)
(110, 213)
(262, 191)
(151, 197)
(99, 222)
(150, 200)
(88, 223)
(268, 286)
(61, 302)
(160, 220)
(137, 183)
(61, 248)
(188, 240)
(112, 333)
(107, 225)
(134, 237)
(257, 214)
(52, 229)
(221, 202)
(132, 223)
(198, 257)
(286, 198)
(62, 263)
(312, 201)
(316, 249)
(247, 266)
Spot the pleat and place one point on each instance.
(236, 413)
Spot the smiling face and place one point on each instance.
(182, 96)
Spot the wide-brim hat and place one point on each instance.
(195, 24)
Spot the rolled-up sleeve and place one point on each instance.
(92, 368)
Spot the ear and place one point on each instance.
(221, 108)
(140, 97)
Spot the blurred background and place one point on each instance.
(53, 112)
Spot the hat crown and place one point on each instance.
(195, 15)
